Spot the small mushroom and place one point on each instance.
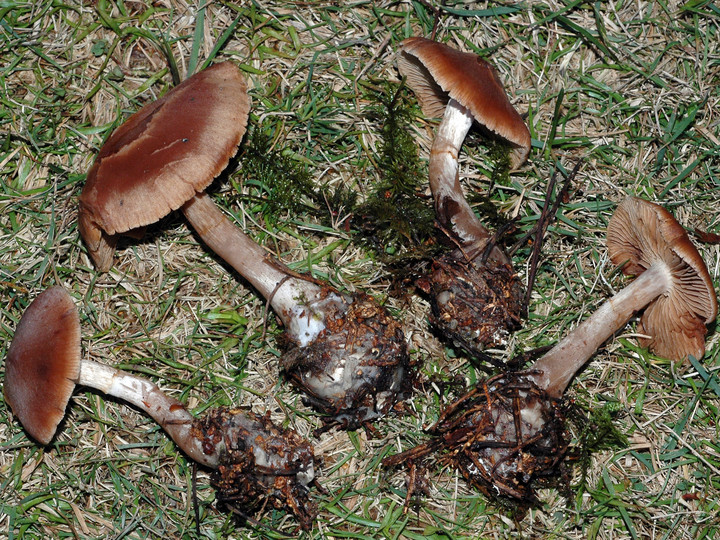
(346, 352)
(672, 285)
(476, 296)
(508, 431)
(255, 462)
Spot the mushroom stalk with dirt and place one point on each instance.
(508, 431)
(254, 461)
(476, 296)
(347, 353)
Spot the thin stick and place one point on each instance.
(542, 224)
(196, 504)
(548, 219)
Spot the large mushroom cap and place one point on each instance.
(43, 363)
(162, 155)
(641, 233)
(436, 72)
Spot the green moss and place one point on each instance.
(397, 219)
(596, 431)
(277, 182)
(498, 155)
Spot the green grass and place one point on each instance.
(629, 87)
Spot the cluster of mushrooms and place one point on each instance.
(346, 353)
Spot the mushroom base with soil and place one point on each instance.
(260, 463)
(476, 305)
(358, 367)
(503, 436)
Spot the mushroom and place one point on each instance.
(673, 286)
(161, 157)
(255, 461)
(347, 353)
(508, 431)
(476, 296)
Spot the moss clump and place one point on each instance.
(278, 183)
(498, 155)
(397, 219)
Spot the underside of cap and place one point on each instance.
(43, 363)
(436, 72)
(682, 336)
(164, 154)
(641, 233)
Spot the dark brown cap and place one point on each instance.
(436, 72)
(43, 363)
(161, 156)
(640, 234)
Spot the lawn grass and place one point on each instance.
(629, 88)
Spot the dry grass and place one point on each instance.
(629, 87)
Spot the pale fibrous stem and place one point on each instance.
(167, 411)
(295, 300)
(451, 208)
(554, 370)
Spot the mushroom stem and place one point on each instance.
(294, 299)
(168, 412)
(451, 208)
(554, 370)
(346, 352)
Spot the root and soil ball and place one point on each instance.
(475, 304)
(504, 436)
(260, 464)
(358, 368)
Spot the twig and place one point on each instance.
(547, 216)
(196, 504)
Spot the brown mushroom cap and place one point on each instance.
(437, 72)
(641, 233)
(43, 363)
(162, 155)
